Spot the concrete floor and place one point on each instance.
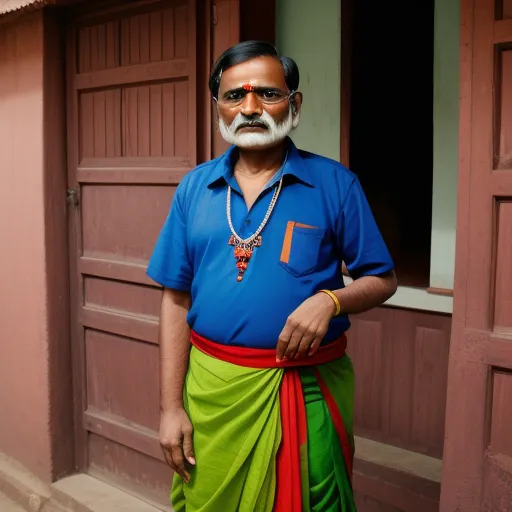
(7, 505)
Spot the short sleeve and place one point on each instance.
(170, 264)
(362, 247)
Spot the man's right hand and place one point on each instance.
(176, 440)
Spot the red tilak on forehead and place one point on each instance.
(248, 87)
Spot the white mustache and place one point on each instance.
(242, 121)
(250, 123)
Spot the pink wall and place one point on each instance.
(32, 368)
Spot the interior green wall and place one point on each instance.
(309, 32)
(446, 140)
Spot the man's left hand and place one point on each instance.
(305, 328)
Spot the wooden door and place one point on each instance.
(132, 137)
(477, 461)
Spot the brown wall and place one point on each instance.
(34, 398)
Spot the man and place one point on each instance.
(256, 389)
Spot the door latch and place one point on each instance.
(72, 197)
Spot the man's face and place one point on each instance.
(254, 106)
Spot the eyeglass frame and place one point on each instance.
(285, 96)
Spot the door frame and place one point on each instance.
(346, 80)
(474, 473)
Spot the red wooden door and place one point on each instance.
(132, 137)
(477, 462)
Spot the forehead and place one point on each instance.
(261, 71)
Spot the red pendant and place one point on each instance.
(243, 253)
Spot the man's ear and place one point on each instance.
(296, 102)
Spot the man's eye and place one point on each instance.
(269, 94)
(234, 95)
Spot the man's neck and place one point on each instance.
(255, 163)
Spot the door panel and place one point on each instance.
(132, 137)
(477, 461)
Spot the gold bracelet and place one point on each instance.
(334, 299)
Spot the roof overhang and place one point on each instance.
(11, 6)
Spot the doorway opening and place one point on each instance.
(391, 126)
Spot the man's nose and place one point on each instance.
(251, 105)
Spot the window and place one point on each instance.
(391, 125)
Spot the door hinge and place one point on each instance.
(72, 196)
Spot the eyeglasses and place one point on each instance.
(267, 95)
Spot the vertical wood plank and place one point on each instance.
(112, 44)
(168, 120)
(168, 33)
(124, 131)
(401, 378)
(86, 115)
(155, 36)
(84, 51)
(156, 120)
(225, 34)
(505, 108)
(501, 414)
(143, 125)
(118, 148)
(94, 48)
(99, 124)
(181, 31)
(192, 57)
(109, 123)
(113, 123)
(507, 9)
(181, 107)
(131, 119)
(144, 38)
(203, 132)
(367, 356)
(135, 40)
(503, 291)
(125, 42)
(102, 47)
(430, 381)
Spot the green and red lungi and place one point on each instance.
(268, 436)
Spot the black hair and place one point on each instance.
(248, 50)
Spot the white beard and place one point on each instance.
(274, 133)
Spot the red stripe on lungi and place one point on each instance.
(294, 428)
(339, 425)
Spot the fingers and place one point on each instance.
(168, 458)
(314, 345)
(284, 340)
(188, 445)
(302, 342)
(295, 340)
(176, 439)
(310, 334)
(173, 452)
(179, 461)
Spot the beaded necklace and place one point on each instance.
(244, 247)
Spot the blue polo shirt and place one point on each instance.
(321, 218)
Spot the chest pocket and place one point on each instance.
(301, 248)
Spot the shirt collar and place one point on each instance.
(295, 166)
